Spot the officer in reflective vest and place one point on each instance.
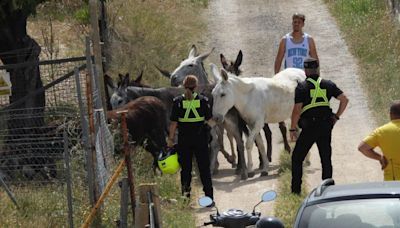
(312, 113)
(189, 114)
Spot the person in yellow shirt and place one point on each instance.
(387, 137)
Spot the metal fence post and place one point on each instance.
(69, 183)
(85, 135)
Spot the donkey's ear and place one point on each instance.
(125, 81)
(223, 61)
(238, 61)
(139, 77)
(109, 81)
(224, 75)
(202, 57)
(163, 72)
(193, 52)
(215, 73)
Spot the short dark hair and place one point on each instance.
(299, 16)
(311, 63)
(395, 108)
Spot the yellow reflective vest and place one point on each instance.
(191, 106)
(315, 93)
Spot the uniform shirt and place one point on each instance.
(302, 95)
(295, 53)
(193, 128)
(387, 137)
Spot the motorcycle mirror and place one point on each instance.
(268, 196)
(205, 201)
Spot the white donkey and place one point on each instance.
(258, 100)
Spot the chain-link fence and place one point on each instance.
(41, 156)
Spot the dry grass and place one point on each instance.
(374, 38)
(152, 32)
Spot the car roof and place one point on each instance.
(330, 192)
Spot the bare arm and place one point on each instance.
(342, 105)
(371, 153)
(279, 56)
(313, 48)
(295, 119)
(172, 130)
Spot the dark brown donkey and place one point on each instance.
(146, 123)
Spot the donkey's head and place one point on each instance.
(119, 93)
(232, 67)
(223, 93)
(193, 65)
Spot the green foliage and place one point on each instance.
(82, 15)
(373, 37)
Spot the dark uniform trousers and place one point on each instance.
(316, 131)
(197, 146)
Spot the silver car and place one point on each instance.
(361, 205)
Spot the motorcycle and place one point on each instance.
(234, 218)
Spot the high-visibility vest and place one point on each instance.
(191, 106)
(315, 93)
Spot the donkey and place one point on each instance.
(194, 65)
(145, 121)
(258, 100)
(233, 67)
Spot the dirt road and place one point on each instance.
(255, 27)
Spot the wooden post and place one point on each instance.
(123, 215)
(128, 161)
(94, 21)
(142, 212)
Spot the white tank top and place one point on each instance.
(295, 53)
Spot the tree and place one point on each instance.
(16, 47)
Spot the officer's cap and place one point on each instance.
(311, 63)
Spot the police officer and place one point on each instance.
(189, 114)
(312, 113)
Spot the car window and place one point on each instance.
(366, 213)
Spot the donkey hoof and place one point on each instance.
(269, 158)
(264, 173)
(244, 176)
(251, 174)
(231, 159)
(234, 165)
